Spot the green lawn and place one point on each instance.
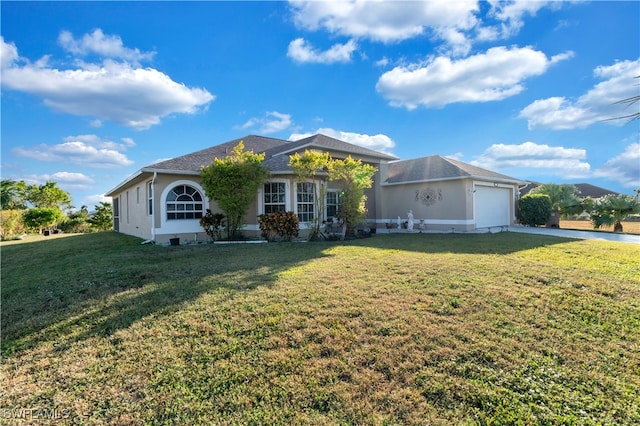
(396, 329)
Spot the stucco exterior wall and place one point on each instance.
(132, 218)
(442, 205)
(188, 230)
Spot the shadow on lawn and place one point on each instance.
(487, 243)
(70, 289)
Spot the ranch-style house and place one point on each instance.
(166, 200)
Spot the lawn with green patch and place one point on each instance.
(396, 329)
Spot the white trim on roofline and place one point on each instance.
(170, 171)
(482, 178)
(144, 170)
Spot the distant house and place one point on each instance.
(166, 199)
(585, 190)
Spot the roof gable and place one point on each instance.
(324, 142)
(436, 167)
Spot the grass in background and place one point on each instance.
(629, 227)
(396, 329)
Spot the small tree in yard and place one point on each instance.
(39, 218)
(233, 182)
(48, 195)
(103, 217)
(309, 166)
(354, 177)
(534, 209)
(613, 209)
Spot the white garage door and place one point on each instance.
(492, 206)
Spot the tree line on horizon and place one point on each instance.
(31, 208)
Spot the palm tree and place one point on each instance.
(12, 194)
(613, 209)
(564, 200)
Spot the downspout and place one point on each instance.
(153, 209)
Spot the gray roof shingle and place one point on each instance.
(436, 167)
(194, 161)
(275, 150)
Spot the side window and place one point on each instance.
(184, 202)
(149, 198)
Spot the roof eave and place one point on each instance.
(149, 170)
(481, 178)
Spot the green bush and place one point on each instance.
(279, 226)
(11, 224)
(75, 225)
(39, 218)
(213, 224)
(534, 209)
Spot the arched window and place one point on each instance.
(184, 202)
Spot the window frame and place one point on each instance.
(149, 187)
(305, 208)
(267, 207)
(337, 193)
(184, 206)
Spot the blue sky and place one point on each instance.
(94, 91)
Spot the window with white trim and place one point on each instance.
(305, 201)
(184, 202)
(274, 197)
(332, 203)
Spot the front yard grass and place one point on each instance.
(396, 329)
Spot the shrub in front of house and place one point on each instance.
(279, 226)
(213, 224)
(534, 209)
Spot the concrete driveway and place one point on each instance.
(584, 235)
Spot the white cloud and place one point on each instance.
(272, 122)
(456, 156)
(623, 168)
(87, 150)
(456, 23)
(65, 180)
(565, 162)
(95, 199)
(382, 62)
(116, 91)
(491, 76)
(510, 14)
(387, 21)
(301, 51)
(106, 46)
(97, 142)
(379, 142)
(8, 54)
(598, 104)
